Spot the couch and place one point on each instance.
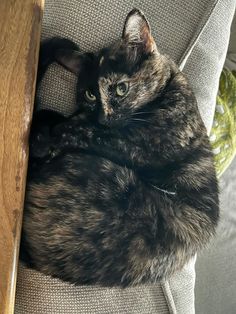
(195, 34)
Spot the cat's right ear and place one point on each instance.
(69, 59)
(137, 35)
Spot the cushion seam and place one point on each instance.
(165, 286)
(196, 36)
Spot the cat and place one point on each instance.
(125, 191)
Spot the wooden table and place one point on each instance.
(20, 25)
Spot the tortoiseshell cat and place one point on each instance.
(129, 193)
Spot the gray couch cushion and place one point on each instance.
(231, 54)
(41, 294)
(176, 27)
(204, 65)
(215, 267)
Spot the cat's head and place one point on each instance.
(118, 82)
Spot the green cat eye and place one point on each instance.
(89, 96)
(122, 89)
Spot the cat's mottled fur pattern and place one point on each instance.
(131, 194)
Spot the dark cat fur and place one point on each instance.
(132, 193)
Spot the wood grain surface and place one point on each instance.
(20, 25)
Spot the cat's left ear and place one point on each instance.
(72, 60)
(137, 34)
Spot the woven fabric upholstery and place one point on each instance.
(207, 58)
(53, 296)
(181, 29)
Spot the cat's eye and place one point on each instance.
(122, 89)
(90, 97)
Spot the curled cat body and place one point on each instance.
(129, 193)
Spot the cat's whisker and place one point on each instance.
(162, 190)
(140, 113)
(141, 120)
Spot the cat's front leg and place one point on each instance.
(123, 146)
(120, 146)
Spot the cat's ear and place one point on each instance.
(137, 33)
(69, 59)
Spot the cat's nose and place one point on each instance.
(103, 119)
(106, 114)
